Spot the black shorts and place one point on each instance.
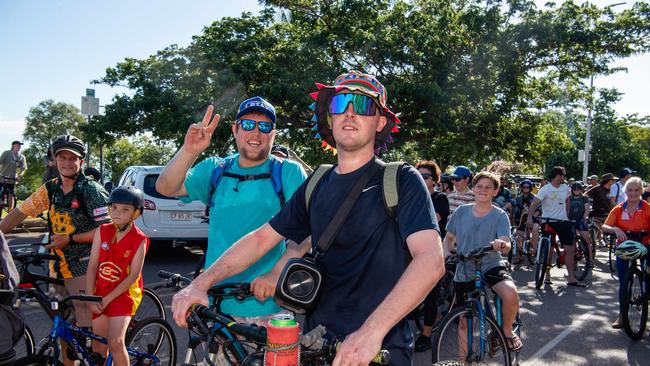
(565, 230)
(8, 187)
(491, 278)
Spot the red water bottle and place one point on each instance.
(282, 341)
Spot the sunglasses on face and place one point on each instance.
(457, 179)
(363, 105)
(249, 125)
(525, 187)
(426, 176)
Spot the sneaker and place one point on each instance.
(423, 343)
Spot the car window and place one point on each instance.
(126, 179)
(149, 187)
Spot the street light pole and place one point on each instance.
(585, 167)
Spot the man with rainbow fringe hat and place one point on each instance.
(378, 267)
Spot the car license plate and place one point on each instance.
(180, 216)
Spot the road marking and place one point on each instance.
(536, 358)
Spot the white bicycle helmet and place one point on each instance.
(630, 250)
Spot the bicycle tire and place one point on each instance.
(530, 254)
(581, 259)
(611, 256)
(447, 333)
(634, 304)
(541, 266)
(150, 336)
(516, 329)
(37, 360)
(25, 346)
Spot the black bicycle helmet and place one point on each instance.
(630, 249)
(445, 178)
(577, 184)
(69, 143)
(526, 182)
(128, 195)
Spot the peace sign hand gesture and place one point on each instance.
(198, 135)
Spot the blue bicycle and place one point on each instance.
(150, 342)
(473, 333)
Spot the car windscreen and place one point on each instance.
(150, 187)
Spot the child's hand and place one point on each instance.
(95, 308)
(105, 302)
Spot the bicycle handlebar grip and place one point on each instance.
(164, 274)
(382, 358)
(83, 298)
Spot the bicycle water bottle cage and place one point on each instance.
(299, 285)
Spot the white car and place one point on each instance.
(165, 218)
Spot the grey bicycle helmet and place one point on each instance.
(630, 250)
(69, 143)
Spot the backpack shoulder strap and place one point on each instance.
(276, 178)
(217, 174)
(313, 181)
(390, 186)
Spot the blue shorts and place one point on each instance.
(581, 225)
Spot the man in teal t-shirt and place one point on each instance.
(237, 207)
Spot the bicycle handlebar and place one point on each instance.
(476, 253)
(314, 341)
(33, 257)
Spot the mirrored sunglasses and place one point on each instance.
(249, 125)
(363, 105)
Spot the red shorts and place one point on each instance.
(123, 305)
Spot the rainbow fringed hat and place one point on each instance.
(354, 81)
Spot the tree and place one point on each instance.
(469, 77)
(141, 150)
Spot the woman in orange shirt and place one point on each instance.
(630, 217)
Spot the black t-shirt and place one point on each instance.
(646, 196)
(441, 205)
(369, 253)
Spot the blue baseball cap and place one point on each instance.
(461, 171)
(257, 104)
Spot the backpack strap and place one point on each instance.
(390, 186)
(276, 178)
(216, 176)
(316, 176)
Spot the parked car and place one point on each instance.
(166, 218)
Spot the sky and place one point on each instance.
(53, 49)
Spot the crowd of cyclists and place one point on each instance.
(379, 260)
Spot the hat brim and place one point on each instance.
(68, 149)
(323, 120)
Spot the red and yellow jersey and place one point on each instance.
(114, 265)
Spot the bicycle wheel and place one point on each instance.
(611, 247)
(150, 307)
(451, 341)
(25, 346)
(516, 328)
(581, 259)
(446, 297)
(530, 252)
(634, 303)
(154, 337)
(37, 360)
(541, 267)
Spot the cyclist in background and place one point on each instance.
(578, 211)
(633, 215)
(600, 202)
(519, 209)
(552, 197)
(616, 192)
(591, 182)
(12, 168)
(446, 185)
(503, 197)
(475, 226)
(430, 172)
(461, 195)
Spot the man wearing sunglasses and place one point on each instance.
(378, 268)
(462, 195)
(237, 205)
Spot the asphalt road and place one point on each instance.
(562, 325)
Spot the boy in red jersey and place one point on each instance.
(114, 271)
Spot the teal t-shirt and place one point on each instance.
(239, 208)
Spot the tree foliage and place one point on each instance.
(472, 79)
(141, 150)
